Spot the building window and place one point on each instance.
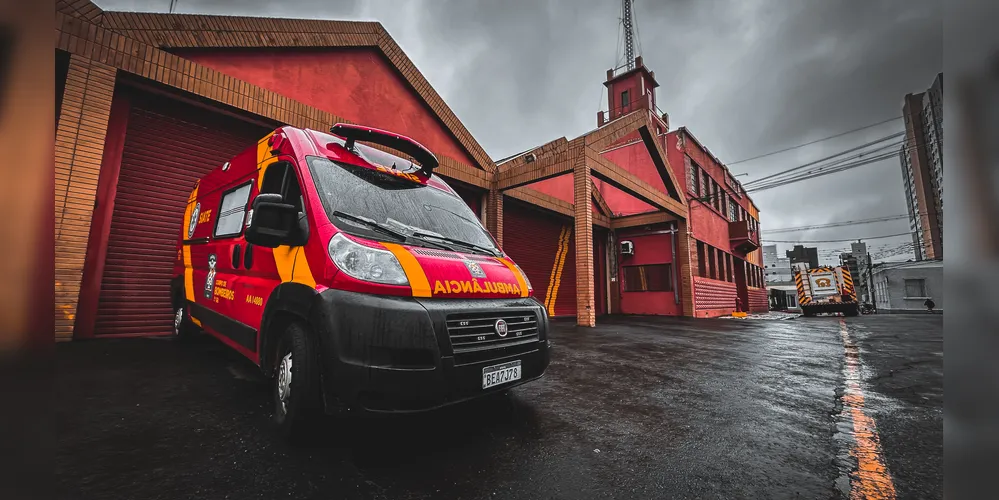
(705, 184)
(624, 99)
(648, 278)
(712, 263)
(721, 266)
(915, 288)
(730, 275)
(733, 210)
(231, 212)
(723, 197)
(694, 174)
(702, 270)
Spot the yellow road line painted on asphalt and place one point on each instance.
(871, 480)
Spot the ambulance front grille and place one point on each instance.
(474, 333)
(435, 253)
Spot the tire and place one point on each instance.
(852, 311)
(297, 402)
(183, 328)
(807, 312)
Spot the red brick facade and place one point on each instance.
(158, 51)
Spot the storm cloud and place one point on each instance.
(746, 77)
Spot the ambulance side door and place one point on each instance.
(227, 246)
(266, 268)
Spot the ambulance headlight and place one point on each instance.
(366, 263)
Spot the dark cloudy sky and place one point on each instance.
(745, 76)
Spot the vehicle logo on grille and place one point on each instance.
(475, 269)
(501, 328)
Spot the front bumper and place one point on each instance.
(394, 354)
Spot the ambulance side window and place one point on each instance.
(280, 178)
(232, 211)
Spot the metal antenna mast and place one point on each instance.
(628, 23)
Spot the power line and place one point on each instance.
(820, 160)
(832, 168)
(835, 224)
(885, 218)
(841, 241)
(841, 134)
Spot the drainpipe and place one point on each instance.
(676, 269)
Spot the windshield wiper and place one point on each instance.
(372, 224)
(457, 242)
(401, 236)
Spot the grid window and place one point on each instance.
(648, 278)
(915, 288)
(230, 218)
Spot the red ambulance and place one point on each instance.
(356, 280)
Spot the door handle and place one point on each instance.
(236, 256)
(248, 256)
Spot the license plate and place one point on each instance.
(500, 374)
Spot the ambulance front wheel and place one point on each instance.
(183, 327)
(295, 383)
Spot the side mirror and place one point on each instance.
(273, 222)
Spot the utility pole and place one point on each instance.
(870, 282)
(628, 22)
(173, 5)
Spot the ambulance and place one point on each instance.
(357, 280)
(826, 289)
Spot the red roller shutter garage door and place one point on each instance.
(168, 146)
(543, 245)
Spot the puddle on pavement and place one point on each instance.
(863, 471)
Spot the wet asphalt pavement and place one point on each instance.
(638, 407)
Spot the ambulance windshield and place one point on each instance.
(405, 206)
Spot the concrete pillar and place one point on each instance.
(686, 245)
(586, 314)
(494, 213)
(79, 148)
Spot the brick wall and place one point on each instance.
(79, 147)
(586, 314)
(759, 302)
(99, 53)
(714, 298)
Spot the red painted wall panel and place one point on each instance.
(357, 84)
(560, 187)
(634, 158)
(758, 300)
(649, 249)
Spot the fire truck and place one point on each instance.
(825, 290)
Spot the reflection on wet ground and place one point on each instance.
(638, 407)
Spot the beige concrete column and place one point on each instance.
(494, 213)
(79, 147)
(685, 246)
(586, 314)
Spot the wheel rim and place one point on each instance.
(178, 319)
(284, 382)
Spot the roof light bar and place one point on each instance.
(427, 161)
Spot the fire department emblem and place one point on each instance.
(823, 282)
(475, 269)
(194, 220)
(210, 279)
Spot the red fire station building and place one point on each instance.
(701, 260)
(147, 103)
